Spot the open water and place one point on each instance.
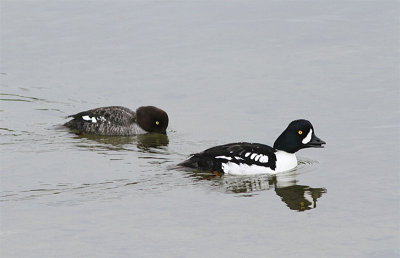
(224, 71)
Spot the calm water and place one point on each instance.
(224, 71)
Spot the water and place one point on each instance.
(224, 71)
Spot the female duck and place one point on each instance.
(119, 121)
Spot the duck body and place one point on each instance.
(254, 158)
(242, 158)
(119, 121)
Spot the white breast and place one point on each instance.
(285, 161)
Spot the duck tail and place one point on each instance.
(192, 162)
(198, 161)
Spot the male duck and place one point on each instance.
(254, 158)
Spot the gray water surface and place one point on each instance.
(224, 71)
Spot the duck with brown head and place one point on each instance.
(119, 121)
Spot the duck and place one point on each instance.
(119, 121)
(245, 158)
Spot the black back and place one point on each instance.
(207, 160)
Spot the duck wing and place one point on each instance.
(115, 115)
(239, 153)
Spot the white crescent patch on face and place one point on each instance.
(308, 137)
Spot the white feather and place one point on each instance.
(244, 169)
(308, 137)
(223, 157)
(264, 159)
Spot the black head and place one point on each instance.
(152, 119)
(298, 135)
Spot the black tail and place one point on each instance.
(192, 162)
(201, 162)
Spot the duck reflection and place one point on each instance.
(296, 197)
(144, 142)
(152, 140)
(300, 197)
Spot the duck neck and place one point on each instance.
(286, 143)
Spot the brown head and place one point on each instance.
(152, 119)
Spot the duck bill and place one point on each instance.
(315, 142)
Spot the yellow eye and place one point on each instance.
(300, 132)
(157, 123)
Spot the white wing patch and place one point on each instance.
(264, 159)
(88, 118)
(308, 137)
(223, 157)
(257, 157)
